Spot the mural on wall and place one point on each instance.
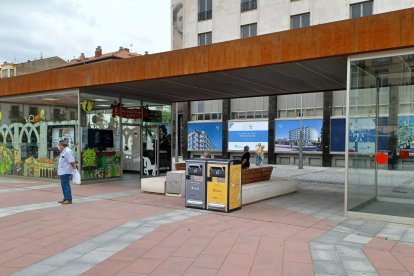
(287, 134)
(248, 134)
(205, 136)
(26, 156)
(177, 26)
(6, 160)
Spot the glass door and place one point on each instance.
(150, 151)
(381, 136)
(131, 141)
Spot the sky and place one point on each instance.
(66, 28)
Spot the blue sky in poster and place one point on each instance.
(213, 130)
(402, 119)
(282, 127)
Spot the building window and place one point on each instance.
(204, 39)
(11, 72)
(248, 30)
(5, 73)
(300, 21)
(33, 110)
(361, 9)
(15, 111)
(247, 5)
(205, 10)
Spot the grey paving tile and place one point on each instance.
(357, 238)
(393, 232)
(85, 247)
(325, 255)
(344, 229)
(72, 269)
(350, 252)
(62, 258)
(352, 223)
(331, 237)
(322, 246)
(114, 246)
(357, 273)
(95, 257)
(371, 227)
(357, 265)
(408, 236)
(328, 268)
(35, 270)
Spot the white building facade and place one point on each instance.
(202, 22)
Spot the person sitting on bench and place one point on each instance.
(246, 158)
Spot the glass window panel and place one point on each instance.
(381, 137)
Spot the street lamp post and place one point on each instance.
(300, 164)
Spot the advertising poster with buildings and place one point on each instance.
(205, 136)
(248, 134)
(288, 134)
(362, 133)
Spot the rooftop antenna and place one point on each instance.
(130, 46)
(41, 55)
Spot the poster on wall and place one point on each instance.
(248, 134)
(406, 133)
(362, 134)
(205, 136)
(63, 133)
(338, 132)
(165, 148)
(287, 135)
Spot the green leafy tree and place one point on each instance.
(166, 116)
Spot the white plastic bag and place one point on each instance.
(76, 178)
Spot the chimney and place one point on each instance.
(98, 52)
(82, 57)
(122, 49)
(146, 52)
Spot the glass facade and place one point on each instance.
(380, 136)
(30, 128)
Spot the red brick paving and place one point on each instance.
(390, 257)
(260, 239)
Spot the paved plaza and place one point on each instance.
(114, 229)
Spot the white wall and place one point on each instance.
(270, 16)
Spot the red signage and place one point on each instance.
(130, 113)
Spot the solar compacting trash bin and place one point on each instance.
(195, 183)
(224, 185)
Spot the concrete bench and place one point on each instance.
(262, 190)
(153, 184)
(256, 174)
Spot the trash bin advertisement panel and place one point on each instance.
(195, 187)
(235, 186)
(217, 186)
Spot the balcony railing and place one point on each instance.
(205, 15)
(248, 5)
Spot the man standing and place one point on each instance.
(66, 168)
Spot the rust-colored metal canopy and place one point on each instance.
(295, 61)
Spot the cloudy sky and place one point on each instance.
(66, 28)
